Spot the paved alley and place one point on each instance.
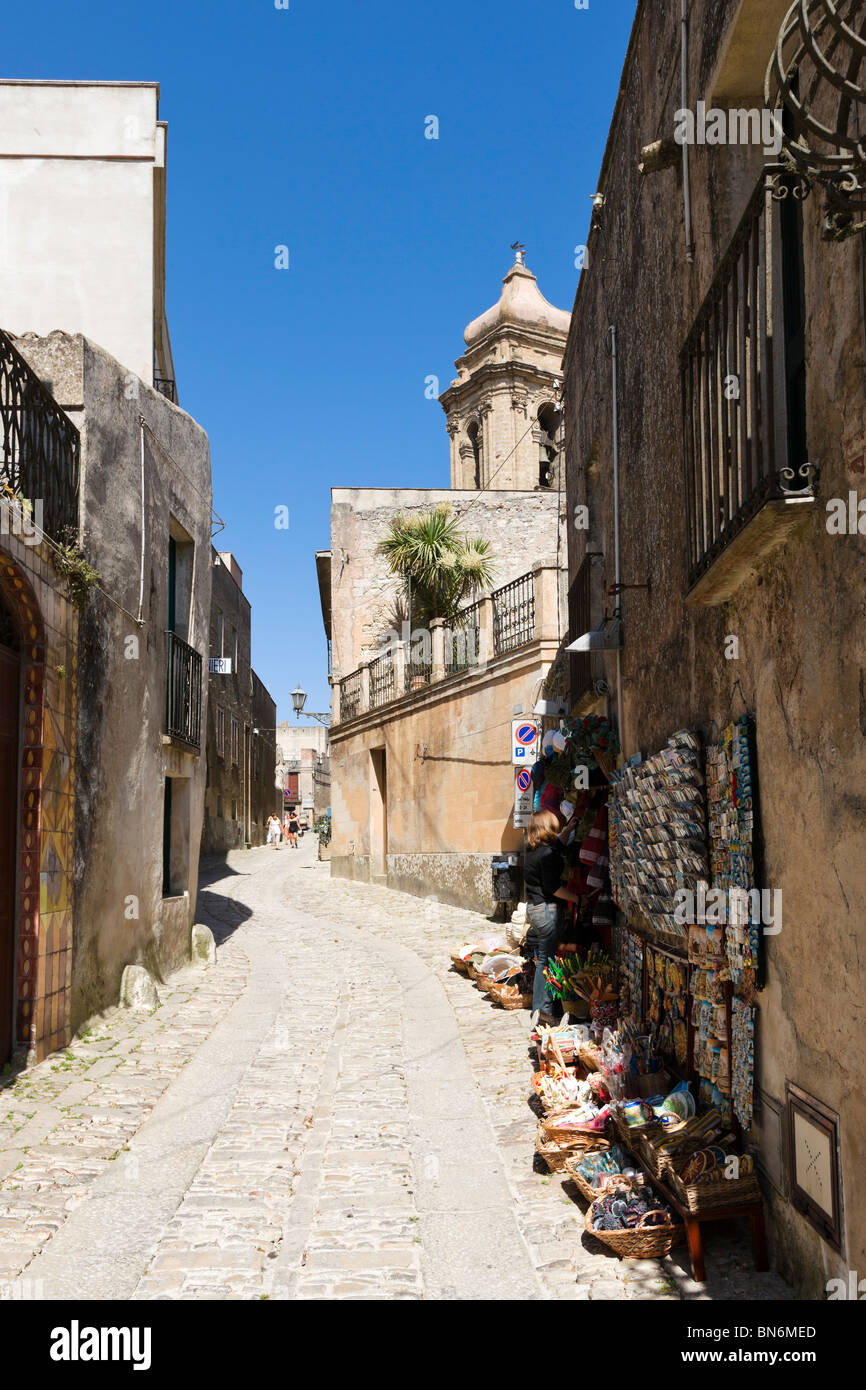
(329, 1112)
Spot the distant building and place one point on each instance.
(304, 767)
(241, 751)
(423, 785)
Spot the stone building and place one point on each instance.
(305, 767)
(113, 690)
(706, 378)
(88, 158)
(422, 780)
(104, 575)
(502, 408)
(242, 716)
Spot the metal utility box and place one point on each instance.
(506, 879)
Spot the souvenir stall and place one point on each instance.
(644, 1090)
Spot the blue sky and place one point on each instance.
(304, 127)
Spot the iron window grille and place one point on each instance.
(743, 381)
(40, 450)
(580, 620)
(514, 614)
(182, 691)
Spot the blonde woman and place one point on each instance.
(542, 877)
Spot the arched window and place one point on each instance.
(549, 421)
(473, 430)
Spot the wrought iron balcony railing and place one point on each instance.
(514, 614)
(40, 449)
(463, 640)
(743, 379)
(183, 667)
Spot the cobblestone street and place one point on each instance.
(330, 1111)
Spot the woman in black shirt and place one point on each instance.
(542, 877)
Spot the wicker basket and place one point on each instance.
(558, 1151)
(582, 1140)
(581, 1183)
(648, 1241)
(590, 1057)
(502, 994)
(459, 963)
(629, 1135)
(705, 1196)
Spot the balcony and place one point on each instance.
(743, 391)
(183, 668)
(500, 627)
(40, 450)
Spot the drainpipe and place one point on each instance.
(616, 567)
(141, 579)
(684, 104)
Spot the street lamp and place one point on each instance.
(299, 699)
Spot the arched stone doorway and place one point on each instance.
(10, 731)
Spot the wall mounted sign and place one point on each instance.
(219, 665)
(525, 734)
(813, 1151)
(522, 797)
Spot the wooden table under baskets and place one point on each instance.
(751, 1206)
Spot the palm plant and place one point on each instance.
(438, 563)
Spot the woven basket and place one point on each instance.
(459, 963)
(557, 1152)
(644, 1242)
(590, 1057)
(629, 1135)
(503, 995)
(581, 1183)
(584, 1140)
(705, 1196)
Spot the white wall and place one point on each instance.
(77, 213)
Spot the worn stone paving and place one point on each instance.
(378, 1143)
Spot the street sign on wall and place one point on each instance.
(220, 665)
(522, 797)
(525, 734)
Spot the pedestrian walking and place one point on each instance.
(543, 865)
(292, 828)
(274, 830)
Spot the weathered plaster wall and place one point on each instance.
(521, 528)
(449, 779)
(798, 618)
(77, 207)
(123, 758)
(231, 694)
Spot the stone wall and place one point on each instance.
(797, 615)
(520, 526)
(123, 757)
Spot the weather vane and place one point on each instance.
(519, 249)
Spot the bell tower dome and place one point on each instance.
(502, 408)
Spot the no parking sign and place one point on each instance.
(525, 734)
(522, 797)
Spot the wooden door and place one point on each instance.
(10, 669)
